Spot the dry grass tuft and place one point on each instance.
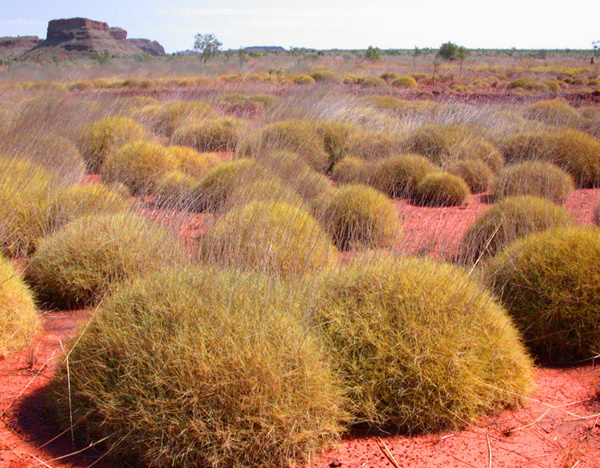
(441, 188)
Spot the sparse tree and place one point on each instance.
(448, 51)
(373, 53)
(207, 45)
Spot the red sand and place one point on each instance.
(558, 427)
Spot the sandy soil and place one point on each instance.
(558, 427)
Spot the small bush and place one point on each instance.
(405, 81)
(164, 120)
(102, 138)
(550, 284)
(24, 192)
(83, 200)
(190, 395)
(209, 135)
(555, 112)
(19, 320)
(140, 166)
(268, 236)
(441, 189)
(536, 178)
(477, 174)
(335, 137)
(77, 265)
(575, 152)
(175, 190)
(419, 345)
(360, 217)
(373, 145)
(298, 136)
(509, 219)
(399, 175)
(351, 170)
(212, 192)
(193, 163)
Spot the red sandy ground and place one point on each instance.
(558, 427)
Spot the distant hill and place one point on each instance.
(79, 37)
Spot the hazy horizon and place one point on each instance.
(335, 24)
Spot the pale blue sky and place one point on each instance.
(322, 24)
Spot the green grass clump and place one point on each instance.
(193, 163)
(298, 136)
(25, 189)
(508, 220)
(268, 236)
(550, 284)
(374, 145)
(575, 152)
(212, 192)
(209, 135)
(477, 174)
(360, 217)
(78, 264)
(399, 175)
(555, 112)
(193, 368)
(419, 345)
(441, 188)
(19, 320)
(175, 190)
(404, 81)
(536, 178)
(139, 166)
(102, 138)
(82, 200)
(351, 170)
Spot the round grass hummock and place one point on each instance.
(508, 220)
(441, 188)
(550, 284)
(78, 264)
(535, 178)
(360, 217)
(19, 320)
(200, 368)
(270, 236)
(419, 345)
(399, 175)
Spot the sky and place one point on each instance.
(327, 24)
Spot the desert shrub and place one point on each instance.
(190, 395)
(419, 345)
(164, 120)
(77, 265)
(82, 200)
(211, 193)
(193, 163)
(477, 174)
(24, 192)
(575, 152)
(19, 320)
(301, 79)
(268, 236)
(373, 145)
(399, 175)
(299, 136)
(351, 170)
(271, 189)
(405, 81)
(529, 84)
(536, 178)
(326, 76)
(102, 138)
(58, 155)
(441, 189)
(555, 112)
(508, 220)
(360, 217)
(209, 135)
(174, 190)
(140, 166)
(335, 135)
(550, 284)
(389, 76)
(372, 82)
(477, 148)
